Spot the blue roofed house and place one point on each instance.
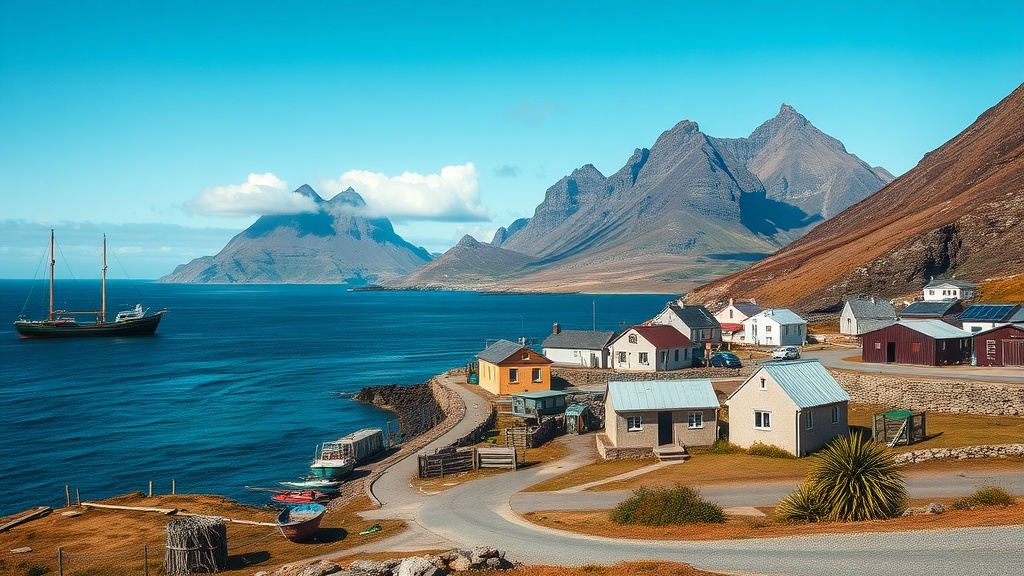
(862, 315)
(979, 317)
(795, 405)
(660, 417)
(584, 348)
(776, 327)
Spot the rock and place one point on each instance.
(417, 566)
(934, 508)
(482, 553)
(321, 568)
(460, 564)
(372, 567)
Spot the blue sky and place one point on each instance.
(172, 126)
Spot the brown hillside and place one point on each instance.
(958, 213)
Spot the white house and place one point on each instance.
(949, 289)
(795, 405)
(585, 348)
(776, 327)
(693, 321)
(731, 320)
(651, 349)
(979, 317)
(862, 315)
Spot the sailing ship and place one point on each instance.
(64, 323)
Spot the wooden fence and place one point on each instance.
(533, 436)
(446, 461)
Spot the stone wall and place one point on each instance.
(912, 393)
(608, 451)
(582, 377)
(965, 453)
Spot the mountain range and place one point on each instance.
(334, 244)
(958, 214)
(688, 209)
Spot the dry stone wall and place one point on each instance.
(965, 453)
(959, 396)
(588, 377)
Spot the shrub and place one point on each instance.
(986, 496)
(802, 504)
(724, 447)
(768, 450)
(665, 506)
(856, 479)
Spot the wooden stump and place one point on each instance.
(196, 545)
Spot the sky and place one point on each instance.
(172, 126)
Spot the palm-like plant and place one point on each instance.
(803, 504)
(857, 479)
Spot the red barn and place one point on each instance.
(923, 342)
(1000, 346)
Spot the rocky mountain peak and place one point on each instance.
(307, 190)
(467, 242)
(349, 197)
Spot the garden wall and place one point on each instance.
(958, 396)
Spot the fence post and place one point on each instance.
(78, 496)
(172, 487)
(145, 559)
(60, 562)
(150, 488)
(67, 495)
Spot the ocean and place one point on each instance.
(241, 382)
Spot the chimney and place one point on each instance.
(555, 328)
(730, 301)
(872, 299)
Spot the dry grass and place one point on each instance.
(598, 523)
(644, 568)
(598, 470)
(947, 430)
(111, 541)
(716, 469)
(1002, 290)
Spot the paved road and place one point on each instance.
(834, 358)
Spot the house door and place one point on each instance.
(664, 428)
(1013, 352)
(890, 352)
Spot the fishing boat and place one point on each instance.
(299, 523)
(322, 484)
(300, 496)
(65, 324)
(332, 462)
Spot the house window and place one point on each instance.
(878, 345)
(762, 420)
(768, 328)
(785, 330)
(632, 338)
(513, 375)
(764, 385)
(730, 313)
(677, 355)
(695, 420)
(622, 357)
(526, 355)
(915, 346)
(835, 414)
(931, 292)
(808, 420)
(634, 423)
(536, 375)
(642, 358)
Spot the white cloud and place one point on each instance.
(259, 195)
(451, 196)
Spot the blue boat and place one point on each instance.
(299, 523)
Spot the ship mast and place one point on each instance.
(52, 262)
(103, 283)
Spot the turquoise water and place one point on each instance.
(240, 383)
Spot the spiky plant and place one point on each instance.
(857, 479)
(803, 504)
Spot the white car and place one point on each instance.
(786, 353)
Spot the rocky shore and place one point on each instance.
(481, 558)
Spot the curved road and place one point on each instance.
(480, 513)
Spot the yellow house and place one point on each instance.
(509, 368)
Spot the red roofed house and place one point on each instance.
(652, 349)
(731, 318)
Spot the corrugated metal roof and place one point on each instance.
(662, 336)
(540, 394)
(928, 308)
(575, 409)
(782, 316)
(935, 329)
(806, 382)
(1018, 316)
(579, 339)
(747, 308)
(961, 284)
(987, 312)
(871, 308)
(662, 395)
(866, 325)
(694, 316)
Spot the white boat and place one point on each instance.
(322, 484)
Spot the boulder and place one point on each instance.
(418, 566)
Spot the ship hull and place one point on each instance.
(145, 326)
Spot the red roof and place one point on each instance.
(664, 336)
(730, 327)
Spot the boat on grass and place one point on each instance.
(65, 324)
(300, 496)
(299, 523)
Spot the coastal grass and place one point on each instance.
(986, 496)
(112, 541)
(948, 430)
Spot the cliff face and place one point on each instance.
(333, 245)
(958, 213)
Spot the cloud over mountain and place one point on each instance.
(260, 194)
(451, 196)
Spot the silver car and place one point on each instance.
(786, 353)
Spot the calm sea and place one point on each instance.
(240, 383)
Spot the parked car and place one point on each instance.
(786, 353)
(725, 360)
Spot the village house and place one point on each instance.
(695, 322)
(776, 327)
(862, 315)
(923, 342)
(731, 319)
(935, 309)
(1000, 346)
(584, 348)
(795, 405)
(507, 367)
(979, 317)
(949, 289)
(651, 349)
(662, 417)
